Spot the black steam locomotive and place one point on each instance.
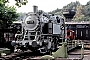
(40, 31)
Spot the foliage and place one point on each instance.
(82, 11)
(18, 2)
(7, 15)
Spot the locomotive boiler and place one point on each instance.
(41, 31)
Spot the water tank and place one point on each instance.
(69, 14)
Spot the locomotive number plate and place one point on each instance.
(30, 22)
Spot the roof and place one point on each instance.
(19, 21)
(82, 22)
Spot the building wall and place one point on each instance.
(82, 31)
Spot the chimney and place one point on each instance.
(35, 9)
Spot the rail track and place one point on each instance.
(19, 55)
(27, 55)
(22, 55)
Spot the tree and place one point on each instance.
(18, 2)
(7, 15)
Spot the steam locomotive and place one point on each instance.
(40, 31)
